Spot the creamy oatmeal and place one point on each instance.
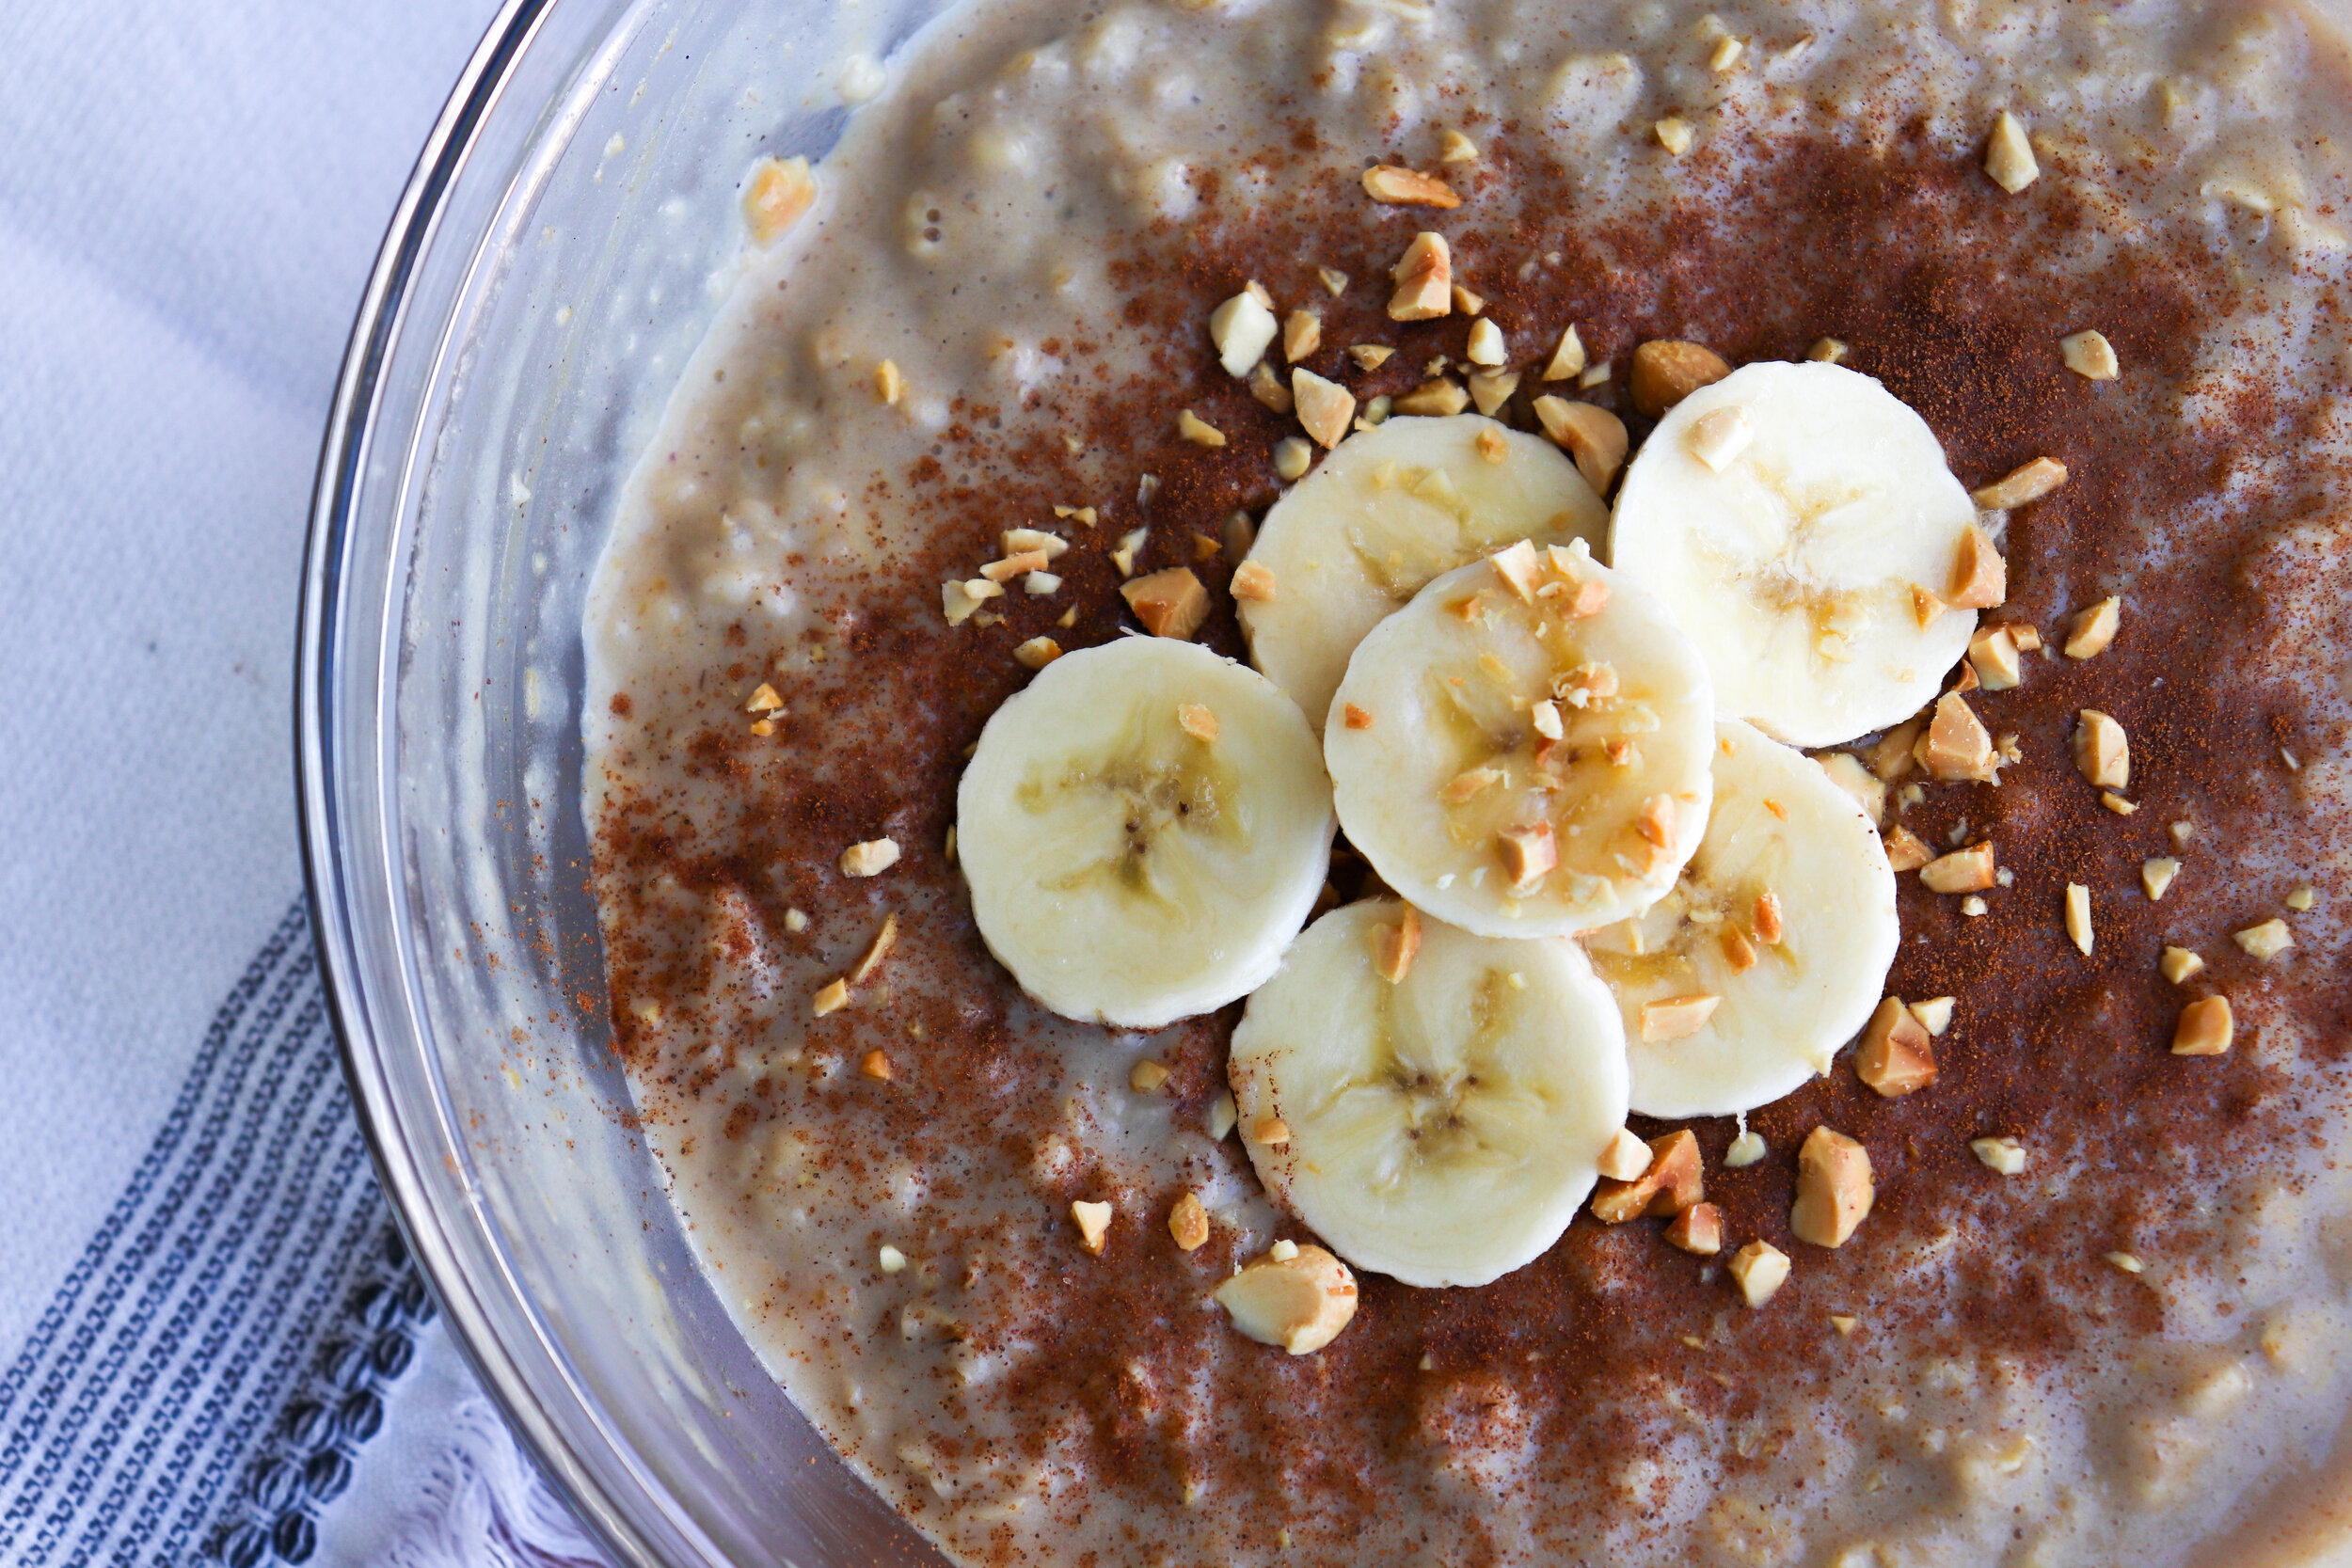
(2100, 1309)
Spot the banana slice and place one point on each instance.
(1390, 509)
(1144, 828)
(1801, 524)
(1441, 1128)
(1742, 983)
(1524, 749)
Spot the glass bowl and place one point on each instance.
(569, 230)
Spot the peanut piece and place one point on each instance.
(1169, 603)
(1697, 1229)
(1424, 280)
(1897, 1057)
(2204, 1028)
(1834, 1188)
(1665, 372)
(1392, 187)
(2019, 486)
(1299, 1301)
(2094, 629)
(1759, 1269)
(2103, 754)
(1594, 438)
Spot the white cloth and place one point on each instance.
(192, 194)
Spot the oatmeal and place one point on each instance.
(2052, 1266)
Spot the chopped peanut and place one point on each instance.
(1718, 436)
(1147, 1076)
(876, 951)
(1568, 358)
(1298, 1299)
(1676, 1018)
(1169, 603)
(1969, 870)
(1925, 609)
(1697, 1229)
(831, 997)
(1935, 1014)
(876, 1066)
(2204, 1028)
(2002, 1156)
(2008, 156)
(1392, 187)
(1198, 430)
(1956, 745)
(1528, 853)
(1197, 721)
(764, 699)
(1268, 389)
(1834, 1188)
(1037, 653)
(1992, 654)
(1516, 565)
(1440, 397)
(1188, 1221)
(1980, 577)
(2078, 917)
(1254, 580)
(1489, 391)
(2266, 941)
(2179, 964)
(1665, 372)
(2090, 355)
(2103, 753)
(1355, 717)
(870, 859)
(1625, 1158)
(780, 191)
(1897, 1057)
(2156, 876)
(1906, 850)
(1093, 1221)
(1674, 1181)
(1424, 280)
(1302, 334)
(1674, 134)
(1293, 457)
(1759, 1269)
(1486, 347)
(2094, 629)
(890, 383)
(1592, 436)
(2020, 487)
(1766, 917)
(1397, 946)
(1273, 1131)
(1827, 350)
(1325, 407)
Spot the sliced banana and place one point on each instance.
(1390, 509)
(1440, 1129)
(1801, 522)
(1524, 749)
(1144, 828)
(1742, 983)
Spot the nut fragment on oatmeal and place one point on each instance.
(1293, 457)
(831, 997)
(871, 858)
(1197, 721)
(890, 383)
(1169, 603)
(1392, 187)
(1490, 390)
(1268, 389)
(875, 1065)
(1956, 745)
(876, 951)
(2078, 917)
(1672, 133)
(1037, 653)
(2002, 1156)
(2179, 964)
(1130, 546)
(1198, 430)
(1467, 303)
(1455, 148)
(1828, 351)
(1396, 946)
(1568, 358)
(1993, 654)
(1424, 280)
(1594, 438)
(1325, 407)
(1666, 371)
(1834, 1188)
(2204, 1028)
(1626, 1157)
(2265, 940)
(1718, 436)
(2094, 629)
(1486, 347)
(1973, 869)
(1299, 1298)
(1726, 53)
(1254, 580)
(1906, 850)
(2021, 485)
(1869, 790)
(960, 599)
(1240, 330)
(763, 700)
(1440, 397)
(1302, 334)
(2008, 156)
(2123, 1261)
(1093, 1221)
(1674, 1179)
(1698, 1230)
(2103, 754)
(1979, 576)
(1759, 1269)
(1898, 1057)
(2090, 355)
(779, 191)
(1188, 1221)
(1147, 1076)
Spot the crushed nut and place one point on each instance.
(1486, 347)
(1893, 754)
(1592, 436)
(831, 997)
(764, 699)
(1492, 446)
(1897, 1057)
(1424, 280)
(1037, 653)
(1371, 356)
(1355, 717)
(1935, 1014)
(1827, 350)
(1325, 407)
(1034, 541)
(1697, 1229)
(2178, 964)
(877, 950)
(1271, 1130)
(1241, 328)
(2103, 754)
(2018, 487)
(960, 599)
(1746, 1149)
(1334, 281)
(796, 921)
(1656, 821)
(1197, 721)
(781, 189)
(1973, 906)
(1765, 917)
(2204, 1029)
(2124, 1261)
(2181, 833)
(1392, 187)
(1845, 1322)
(1834, 1188)
(1676, 1018)
(1268, 389)
(1293, 457)
(1302, 334)
(1718, 436)
(1396, 946)
(2003, 1156)
(1979, 576)
(2094, 628)
(1528, 853)
(1993, 654)
(2266, 941)
(1625, 1158)
(1455, 148)
(1674, 134)
(1673, 1182)
(1188, 1221)
(1299, 1301)
(1759, 1269)
(1440, 397)
(1517, 566)
(1906, 850)
(1222, 1116)
(876, 1066)
(2078, 917)
(1015, 566)
(1198, 430)
(1254, 580)
(1490, 390)
(1969, 870)
(1095, 1224)
(1467, 302)
(1956, 745)
(890, 1260)
(1568, 358)
(2091, 355)
(870, 859)
(1665, 372)
(2008, 156)
(1594, 376)
(1469, 784)
(1169, 603)
(1146, 1076)
(1727, 55)
(1847, 773)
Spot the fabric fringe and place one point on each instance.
(486, 1506)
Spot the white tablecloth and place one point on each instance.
(209, 1342)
